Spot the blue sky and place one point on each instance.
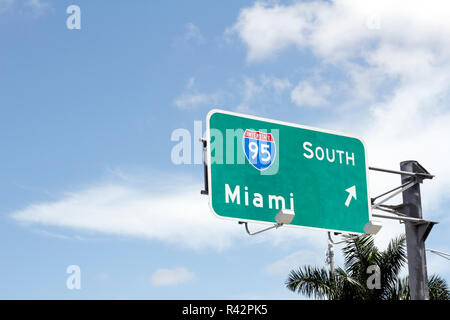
(86, 118)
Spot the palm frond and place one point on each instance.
(350, 283)
(311, 281)
(359, 253)
(397, 290)
(350, 287)
(438, 287)
(391, 261)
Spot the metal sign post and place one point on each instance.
(417, 229)
(416, 234)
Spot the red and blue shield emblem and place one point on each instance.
(259, 148)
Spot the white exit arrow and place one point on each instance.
(351, 194)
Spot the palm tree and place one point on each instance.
(351, 282)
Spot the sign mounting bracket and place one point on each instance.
(205, 190)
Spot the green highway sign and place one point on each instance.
(256, 167)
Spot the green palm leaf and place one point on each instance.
(351, 282)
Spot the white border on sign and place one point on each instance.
(208, 146)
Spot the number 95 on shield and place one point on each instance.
(259, 148)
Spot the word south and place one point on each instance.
(256, 199)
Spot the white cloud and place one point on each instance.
(38, 4)
(172, 215)
(191, 83)
(257, 91)
(170, 277)
(251, 91)
(180, 216)
(59, 236)
(191, 37)
(335, 29)
(191, 100)
(305, 94)
(193, 34)
(34, 8)
(267, 31)
(293, 261)
(279, 85)
(103, 276)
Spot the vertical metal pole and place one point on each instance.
(415, 240)
(330, 254)
(331, 257)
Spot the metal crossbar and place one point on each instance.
(413, 174)
(387, 192)
(415, 177)
(403, 188)
(275, 226)
(440, 253)
(417, 220)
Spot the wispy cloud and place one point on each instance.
(180, 217)
(173, 215)
(35, 8)
(307, 95)
(279, 85)
(267, 31)
(171, 277)
(258, 91)
(193, 34)
(103, 276)
(192, 98)
(293, 261)
(190, 38)
(241, 94)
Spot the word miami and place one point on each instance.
(275, 201)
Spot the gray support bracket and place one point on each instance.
(405, 186)
(439, 253)
(205, 190)
(275, 226)
(425, 229)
